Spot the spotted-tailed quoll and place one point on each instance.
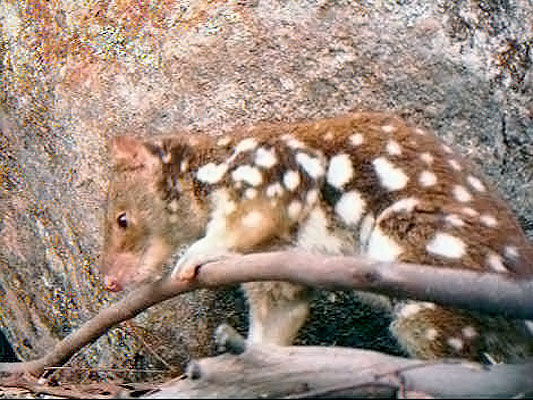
(363, 183)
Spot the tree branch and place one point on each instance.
(331, 372)
(478, 291)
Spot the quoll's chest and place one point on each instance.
(397, 190)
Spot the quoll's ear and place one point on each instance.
(130, 153)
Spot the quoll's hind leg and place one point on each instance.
(277, 311)
(429, 331)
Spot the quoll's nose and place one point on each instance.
(112, 284)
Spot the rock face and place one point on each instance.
(72, 76)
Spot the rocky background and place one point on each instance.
(73, 73)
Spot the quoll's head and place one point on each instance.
(140, 231)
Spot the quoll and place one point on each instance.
(363, 183)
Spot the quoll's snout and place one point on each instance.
(111, 284)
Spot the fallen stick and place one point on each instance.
(334, 372)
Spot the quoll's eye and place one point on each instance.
(122, 220)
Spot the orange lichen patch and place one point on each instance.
(58, 44)
(47, 40)
(138, 14)
(81, 71)
(33, 49)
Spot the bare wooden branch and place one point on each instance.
(484, 292)
(303, 372)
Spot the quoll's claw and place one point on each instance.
(184, 272)
(187, 274)
(187, 267)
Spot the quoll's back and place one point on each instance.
(364, 183)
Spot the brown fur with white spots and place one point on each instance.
(363, 183)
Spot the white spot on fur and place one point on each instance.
(184, 165)
(367, 225)
(350, 207)
(211, 173)
(295, 144)
(407, 204)
(494, 261)
(340, 171)
(356, 139)
(446, 245)
(166, 158)
(427, 178)
(291, 179)
(455, 343)
(469, 332)
(224, 141)
(246, 145)
(314, 234)
(461, 194)
(427, 158)
(388, 128)
(414, 307)
(454, 219)
(409, 310)
(294, 209)
(253, 219)
(250, 193)
(381, 247)
(510, 252)
(311, 197)
(292, 142)
(475, 183)
(248, 174)
(391, 177)
(329, 136)
(265, 158)
(431, 334)
(420, 131)
(313, 166)
(393, 148)
(488, 220)
(455, 165)
(469, 211)
(274, 190)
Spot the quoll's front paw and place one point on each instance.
(187, 267)
(229, 340)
